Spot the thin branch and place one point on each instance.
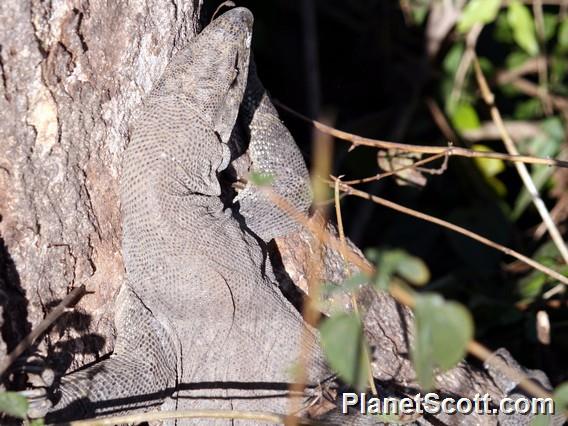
(518, 130)
(323, 149)
(489, 99)
(423, 216)
(543, 65)
(440, 120)
(465, 63)
(397, 292)
(68, 301)
(367, 358)
(485, 355)
(424, 149)
(414, 165)
(189, 414)
(531, 89)
(530, 66)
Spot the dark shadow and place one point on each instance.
(15, 324)
(83, 408)
(285, 282)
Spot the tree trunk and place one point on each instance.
(72, 75)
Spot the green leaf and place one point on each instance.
(486, 66)
(14, 404)
(557, 70)
(413, 270)
(261, 179)
(355, 281)
(345, 348)
(563, 36)
(561, 397)
(37, 422)
(443, 330)
(391, 262)
(541, 420)
(550, 24)
(555, 129)
(547, 145)
(531, 286)
(516, 59)
(521, 21)
(503, 32)
(478, 11)
(490, 168)
(386, 266)
(465, 117)
(350, 284)
(453, 58)
(419, 13)
(528, 109)
(539, 175)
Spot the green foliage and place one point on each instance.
(562, 45)
(420, 11)
(345, 348)
(261, 179)
(541, 420)
(14, 404)
(452, 58)
(533, 284)
(561, 397)
(521, 21)
(546, 145)
(350, 284)
(490, 168)
(516, 59)
(465, 117)
(503, 32)
(397, 262)
(550, 25)
(443, 330)
(526, 110)
(478, 11)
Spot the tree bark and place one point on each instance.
(72, 74)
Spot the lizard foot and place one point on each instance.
(40, 378)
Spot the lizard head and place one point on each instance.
(212, 70)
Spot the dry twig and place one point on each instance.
(366, 356)
(68, 301)
(424, 149)
(398, 292)
(423, 216)
(489, 99)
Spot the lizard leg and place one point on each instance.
(138, 375)
(272, 151)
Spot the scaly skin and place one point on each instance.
(200, 319)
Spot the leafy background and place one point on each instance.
(374, 68)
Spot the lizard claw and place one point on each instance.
(39, 374)
(38, 403)
(39, 378)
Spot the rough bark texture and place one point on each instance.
(71, 73)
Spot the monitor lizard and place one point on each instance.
(201, 321)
